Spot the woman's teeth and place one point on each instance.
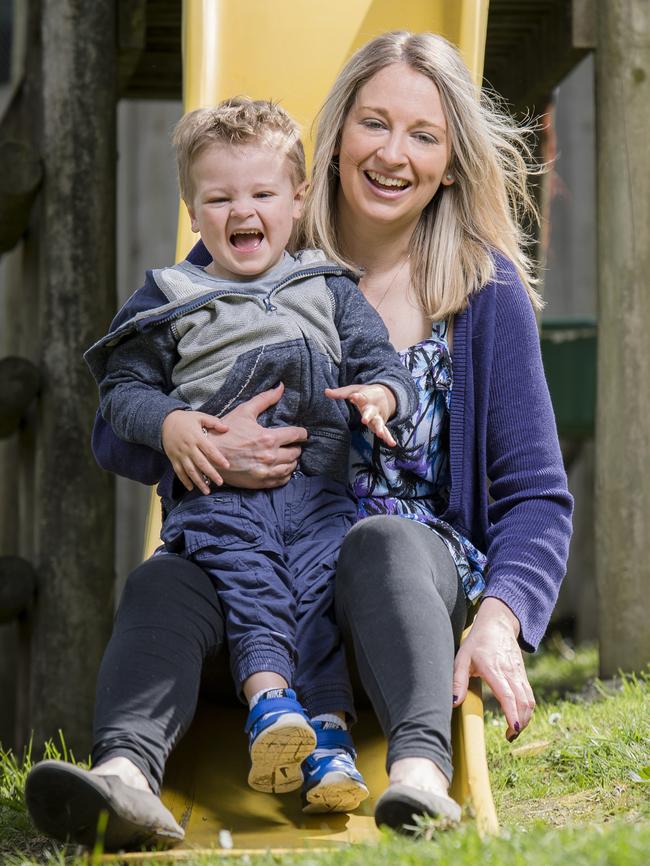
(389, 182)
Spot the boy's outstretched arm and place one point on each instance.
(376, 404)
(368, 357)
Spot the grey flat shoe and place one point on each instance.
(65, 802)
(398, 805)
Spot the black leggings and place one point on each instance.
(399, 599)
(401, 602)
(169, 621)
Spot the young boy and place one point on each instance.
(195, 342)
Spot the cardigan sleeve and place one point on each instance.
(530, 510)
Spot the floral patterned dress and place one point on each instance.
(413, 479)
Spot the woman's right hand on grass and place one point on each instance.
(491, 651)
(259, 457)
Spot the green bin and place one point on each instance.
(569, 356)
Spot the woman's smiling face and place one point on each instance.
(394, 149)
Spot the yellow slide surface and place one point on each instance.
(291, 51)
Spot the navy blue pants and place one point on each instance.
(272, 556)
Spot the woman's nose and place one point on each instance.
(392, 150)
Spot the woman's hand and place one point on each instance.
(491, 652)
(258, 457)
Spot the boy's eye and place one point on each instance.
(263, 194)
(217, 200)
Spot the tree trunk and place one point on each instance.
(73, 499)
(623, 412)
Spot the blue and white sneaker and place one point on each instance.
(332, 782)
(279, 739)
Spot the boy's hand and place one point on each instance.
(193, 457)
(376, 404)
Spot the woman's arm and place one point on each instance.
(529, 515)
(259, 457)
(126, 459)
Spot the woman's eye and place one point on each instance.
(425, 138)
(371, 123)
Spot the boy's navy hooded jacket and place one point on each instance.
(188, 339)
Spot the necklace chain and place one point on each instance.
(392, 282)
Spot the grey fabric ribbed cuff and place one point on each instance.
(145, 426)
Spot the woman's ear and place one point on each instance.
(299, 199)
(448, 178)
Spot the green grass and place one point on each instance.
(559, 669)
(618, 845)
(574, 789)
(580, 760)
(20, 844)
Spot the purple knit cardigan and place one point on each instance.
(509, 493)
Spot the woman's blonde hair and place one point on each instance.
(490, 161)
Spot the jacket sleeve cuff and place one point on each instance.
(147, 419)
(404, 399)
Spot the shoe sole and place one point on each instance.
(336, 792)
(399, 804)
(64, 803)
(278, 752)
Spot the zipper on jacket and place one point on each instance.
(301, 275)
(268, 305)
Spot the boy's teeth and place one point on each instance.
(387, 181)
(246, 239)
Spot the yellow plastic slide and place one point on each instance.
(291, 50)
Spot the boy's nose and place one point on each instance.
(242, 209)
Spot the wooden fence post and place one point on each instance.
(623, 411)
(73, 523)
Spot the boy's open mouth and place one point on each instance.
(386, 184)
(246, 240)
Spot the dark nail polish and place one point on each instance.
(512, 738)
(517, 727)
(454, 698)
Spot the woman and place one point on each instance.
(416, 184)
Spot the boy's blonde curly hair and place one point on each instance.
(239, 120)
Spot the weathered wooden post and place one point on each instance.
(623, 413)
(73, 523)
